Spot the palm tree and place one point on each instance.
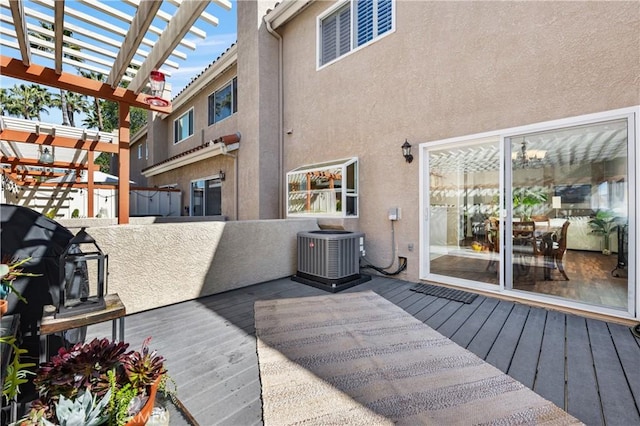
(95, 114)
(8, 105)
(75, 103)
(66, 33)
(29, 101)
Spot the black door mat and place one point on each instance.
(447, 293)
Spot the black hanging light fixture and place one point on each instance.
(406, 151)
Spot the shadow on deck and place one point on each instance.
(588, 367)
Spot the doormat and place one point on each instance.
(445, 292)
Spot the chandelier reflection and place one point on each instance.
(527, 157)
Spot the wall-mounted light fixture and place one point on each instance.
(406, 151)
(156, 82)
(221, 175)
(46, 157)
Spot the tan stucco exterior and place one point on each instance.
(448, 69)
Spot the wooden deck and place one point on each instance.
(590, 368)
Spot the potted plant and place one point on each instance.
(121, 384)
(526, 199)
(16, 372)
(10, 269)
(604, 223)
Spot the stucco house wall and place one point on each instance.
(448, 69)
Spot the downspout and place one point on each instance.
(280, 119)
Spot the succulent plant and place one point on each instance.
(143, 368)
(84, 410)
(84, 366)
(101, 367)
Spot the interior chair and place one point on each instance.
(492, 240)
(526, 247)
(542, 220)
(560, 247)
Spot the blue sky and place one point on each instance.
(207, 50)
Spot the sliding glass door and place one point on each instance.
(545, 211)
(463, 208)
(570, 186)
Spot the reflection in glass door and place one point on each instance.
(463, 226)
(569, 211)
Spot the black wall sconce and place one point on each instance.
(406, 151)
(221, 176)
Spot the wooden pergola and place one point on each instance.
(115, 55)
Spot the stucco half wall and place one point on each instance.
(153, 265)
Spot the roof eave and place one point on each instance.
(285, 11)
(216, 69)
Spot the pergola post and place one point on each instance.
(123, 163)
(90, 187)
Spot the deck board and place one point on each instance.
(615, 397)
(501, 353)
(524, 363)
(582, 386)
(210, 349)
(551, 375)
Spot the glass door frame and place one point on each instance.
(632, 115)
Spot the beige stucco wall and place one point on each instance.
(153, 265)
(449, 69)
(202, 132)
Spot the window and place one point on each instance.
(139, 151)
(371, 19)
(206, 197)
(223, 103)
(183, 127)
(324, 190)
(146, 150)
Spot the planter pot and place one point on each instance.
(143, 416)
(4, 306)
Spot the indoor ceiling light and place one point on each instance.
(526, 157)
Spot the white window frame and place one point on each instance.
(353, 26)
(348, 196)
(189, 111)
(140, 151)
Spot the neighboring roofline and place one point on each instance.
(226, 60)
(137, 136)
(219, 146)
(285, 11)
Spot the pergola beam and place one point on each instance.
(31, 162)
(139, 26)
(186, 15)
(20, 24)
(61, 141)
(58, 29)
(11, 67)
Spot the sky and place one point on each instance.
(207, 50)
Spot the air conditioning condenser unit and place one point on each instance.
(330, 259)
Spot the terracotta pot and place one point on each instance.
(143, 416)
(4, 306)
